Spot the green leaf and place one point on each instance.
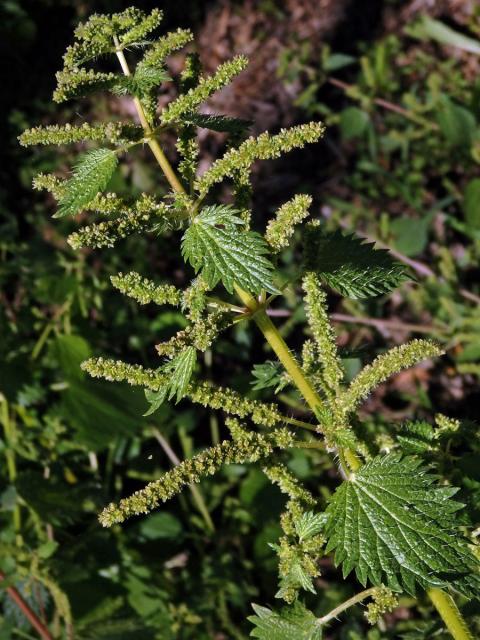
(155, 399)
(410, 236)
(456, 123)
(180, 370)
(216, 122)
(70, 351)
(159, 526)
(47, 549)
(99, 411)
(336, 61)
(269, 374)
(309, 524)
(214, 245)
(144, 80)
(429, 28)
(393, 525)
(353, 122)
(471, 204)
(290, 623)
(91, 175)
(297, 578)
(351, 266)
(52, 500)
(416, 437)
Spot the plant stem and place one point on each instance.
(442, 601)
(393, 325)
(334, 613)
(385, 104)
(279, 346)
(42, 630)
(450, 614)
(152, 143)
(352, 460)
(281, 349)
(310, 444)
(300, 423)
(10, 437)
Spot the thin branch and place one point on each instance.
(386, 104)
(300, 423)
(334, 613)
(387, 324)
(29, 614)
(157, 151)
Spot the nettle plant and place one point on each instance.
(390, 520)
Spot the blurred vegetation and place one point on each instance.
(403, 153)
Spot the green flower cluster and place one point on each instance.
(233, 403)
(139, 217)
(323, 334)
(118, 371)
(384, 601)
(204, 393)
(200, 334)
(279, 474)
(144, 291)
(250, 447)
(113, 132)
(280, 229)
(51, 183)
(263, 147)
(164, 46)
(398, 358)
(75, 83)
(190, 101)
(95, 37)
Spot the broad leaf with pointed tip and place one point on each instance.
(216, 245)
(91, 175)
(350, 266)
(290, 623)
(393, 525)
(216, 122)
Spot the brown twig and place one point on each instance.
(27, 611)
(386, 104)
(386, 324)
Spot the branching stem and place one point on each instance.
(334, 613)
(281, 350)
(157, 151)
(441, 600)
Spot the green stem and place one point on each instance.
(212, 418)
(280, 347)
(334, 613)
(450, 614)
(301, 424)
(310, 444)
(352, 460)
(10, 437)
(442, 601)
(152, 143)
